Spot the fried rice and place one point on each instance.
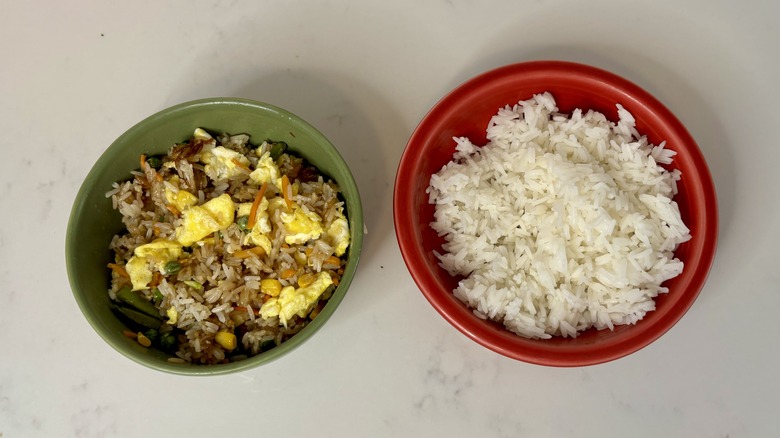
(237, 247)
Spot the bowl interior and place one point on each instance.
(93, 222)
(466, 111)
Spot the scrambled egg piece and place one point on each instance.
(266, 171)
(197, 223)
(200, 221)
(173, 315)
(338, 234)
(158, 252)
(301, 224)
(276, 203)
(201, 134)
(258, 235)
(222, 209)
(207, 143)
(138, 270)
(221, 163)
(181, 199)
(292, 301)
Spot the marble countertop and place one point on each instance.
(75, 75)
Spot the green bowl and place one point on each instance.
(93, 221)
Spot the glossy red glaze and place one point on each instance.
(465, 112)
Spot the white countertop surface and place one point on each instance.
(75, 75)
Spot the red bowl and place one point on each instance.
(465, 112)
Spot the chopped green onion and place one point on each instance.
(154, 161)
(137, 302)
(138, 318)
(193, 284)
(157, 296)
(172, 268)
(277, 149)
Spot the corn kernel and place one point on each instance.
(206, 241)
(306, 280)
(332, 260)
(245, 253)
(287, 273)
(143, 340)
(226, 339)
(270, 286)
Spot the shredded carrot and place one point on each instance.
(244, 309)
(174, 211)
(244, 253)
(287, 191)
(287, 273)
(157, 278)
(255, 205)
(143, 161)
(119, 270)
(129, 334)
(155, 230)
(240, 164)
(335, 281)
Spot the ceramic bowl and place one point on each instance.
(465, 112)
(93, 221)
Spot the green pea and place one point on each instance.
(168, 341)
(151, 334)
(242, 222)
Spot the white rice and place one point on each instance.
(560, 223)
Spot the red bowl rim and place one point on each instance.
(445, 306)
